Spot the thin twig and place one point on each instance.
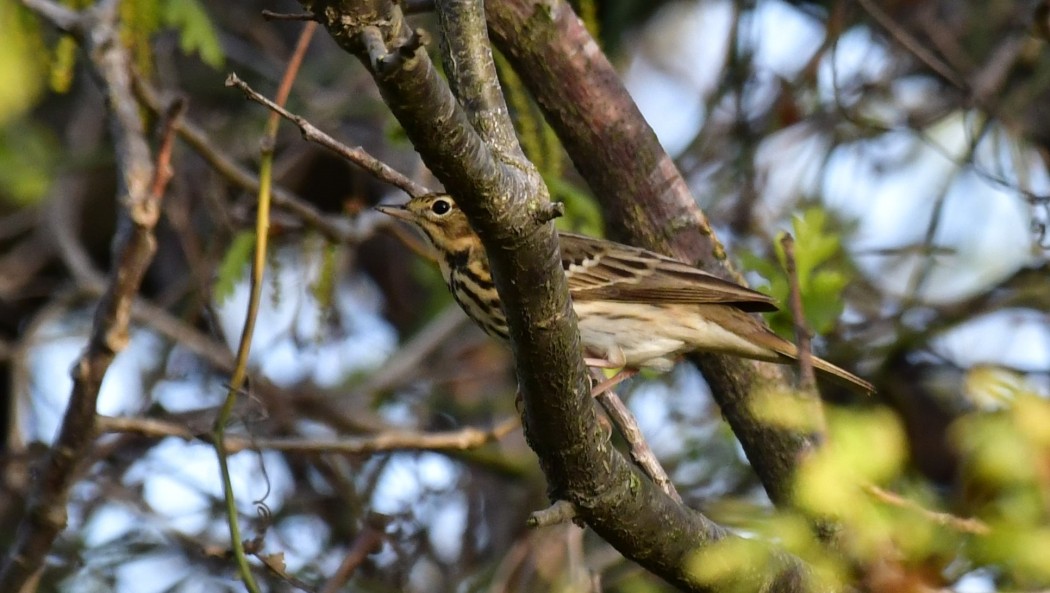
(354, 154)
(238, 175)
(239, 376)
(963, 524)
(368, 540)
(284, 16)
(911, 44)
(807, 379)
(382, 442)
(163, 172)
(641, 452)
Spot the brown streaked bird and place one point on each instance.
(636, 308)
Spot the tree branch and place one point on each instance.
(386, 441)
(618, 154)
(133, 248)
(472, 74)
(505, 204)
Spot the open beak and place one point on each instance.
(397, 212)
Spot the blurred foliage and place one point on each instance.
(29, 155)
(1006, 483)
(822, 271)
(139, 20)
(197, 34)
(231, 270)
(22, 63)
(323, 288)
(1003, 524)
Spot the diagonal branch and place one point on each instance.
(508, 207)
(616, 151)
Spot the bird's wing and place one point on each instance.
(603, 270)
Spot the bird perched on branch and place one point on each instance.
(636, 308)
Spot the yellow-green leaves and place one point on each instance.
(28, 154)
(231, 271)
(822, 270)
(21, 66)
(1005, 481)
(196, 33)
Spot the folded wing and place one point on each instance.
(598, 270)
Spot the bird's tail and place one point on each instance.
(841, 376)
(778, 349)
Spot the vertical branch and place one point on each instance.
(141, 184)
(472, 73)
(240, 371)
(807, 380)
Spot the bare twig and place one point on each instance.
(163, 171)
(238, 175)
(355, 154)
(962, 524)
(807, 379)
(239, 376)
(368, 540)
(382, 442)
(641, 453)
(562, 511)
(284, 16)
(908, 41)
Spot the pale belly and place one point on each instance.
(630, 337)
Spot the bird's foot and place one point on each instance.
(613, 381)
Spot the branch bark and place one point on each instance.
(643, 195)
(133, 248)
(507, 204)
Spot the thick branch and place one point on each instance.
(472, 74)
(617, 152)
(505, 204)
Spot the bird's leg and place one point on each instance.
(608, 384)
(601, 363)
(613, 359)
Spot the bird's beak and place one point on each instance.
(397, 212)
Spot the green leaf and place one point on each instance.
(231, 270)
(822, 303)
(323, 288)
(196, 32)
(823, 273)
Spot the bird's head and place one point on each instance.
(440, 219)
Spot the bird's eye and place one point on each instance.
(440, 207)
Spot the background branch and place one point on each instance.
(133, 248)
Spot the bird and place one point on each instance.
(636, 309)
